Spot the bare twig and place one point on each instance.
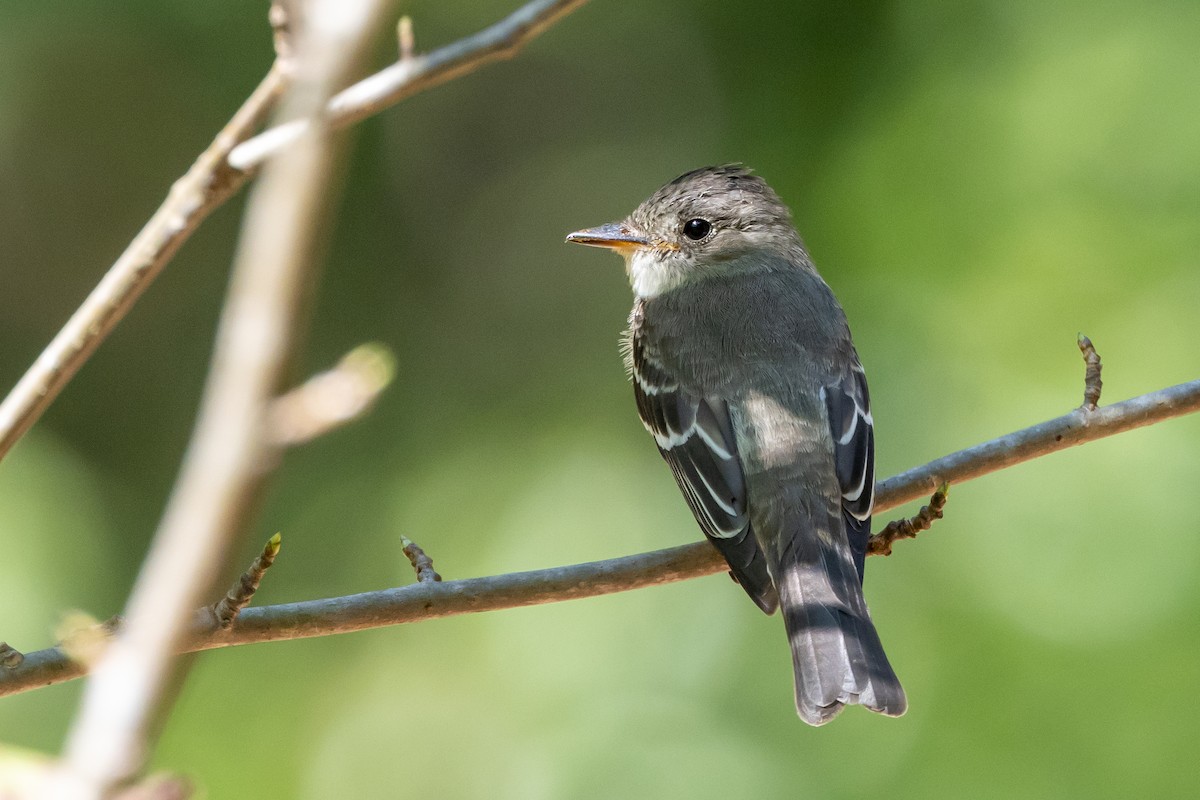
(1091, 376)
(404, 38)
(409, 76)
(239, 595)
(1069, 430)
(423, 601)
(228, 458)
(208, 184)
(881, 543)
(212, 180)
(421, 563)
(331, 399)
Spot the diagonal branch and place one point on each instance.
(208, 184)
(332, 398)
(412, 74)
(212, 180)
(1075, 428)
(423, 601)
(240, 594)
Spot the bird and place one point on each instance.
(744, 372)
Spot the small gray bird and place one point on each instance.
(744, 372)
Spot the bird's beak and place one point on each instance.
(617, 236)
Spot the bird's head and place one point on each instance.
(711, 221)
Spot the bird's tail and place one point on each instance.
(836, 653)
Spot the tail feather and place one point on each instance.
(836, 652)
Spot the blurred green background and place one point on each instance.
(977, 181)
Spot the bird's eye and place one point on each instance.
(696, 229)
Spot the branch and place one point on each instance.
(333, 398)
(412, 74)
(1069, 430)
(213, 179)
(226, 609)
(1091, 376)
(430, 600)
(229, 456)
(208, 184)
(422, 564)
(880, 544)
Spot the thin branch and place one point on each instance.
(423, 601)
(1069, 430)
(226, 610)
(228, 458)
(208, 184)
(212, 180)
(332, 398)
(881, 543)
(405, 41)
(414, 74)
(421, 563)
(1091, 376)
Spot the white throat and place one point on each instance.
(648, 275)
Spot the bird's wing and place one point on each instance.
(695, 436)
(849, 405)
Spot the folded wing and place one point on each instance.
(696, 438)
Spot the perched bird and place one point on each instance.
(744, 372)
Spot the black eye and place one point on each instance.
(696, 229)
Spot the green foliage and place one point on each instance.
(977, 181)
